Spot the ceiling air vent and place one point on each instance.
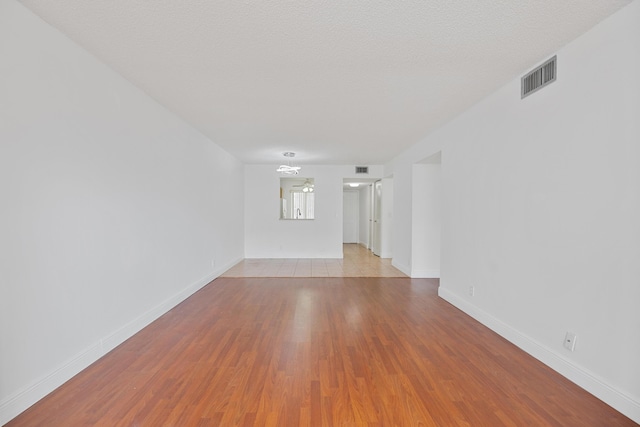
(538, 78)
(362, 169)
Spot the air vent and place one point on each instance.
(538, 78)
(362, 169)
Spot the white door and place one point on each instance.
(350, 216)
(377, 218)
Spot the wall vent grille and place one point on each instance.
(538, 78)
(362, 169)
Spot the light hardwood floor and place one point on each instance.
(357, 262)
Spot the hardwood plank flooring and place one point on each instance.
(318, 352)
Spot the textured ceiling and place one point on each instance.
(338, 82)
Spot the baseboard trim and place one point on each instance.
(364, 245)
(331, 255)
(615, 398)
(21, 400)
(404, 268)
(18, 402)
(426, 274)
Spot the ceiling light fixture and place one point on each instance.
(288, 169)
(307, 186)
(353, 184)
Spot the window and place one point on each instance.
(302, 204)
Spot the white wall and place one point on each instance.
(425, 236)
(402, 216)
(541, 200)
(113, 209)
(386, 216)
(266, 236)
(365, 215)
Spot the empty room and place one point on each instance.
(279, 213)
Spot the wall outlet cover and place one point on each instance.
(570, 341)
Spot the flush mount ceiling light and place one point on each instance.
(353, 185)
(288, 169)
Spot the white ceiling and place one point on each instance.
(337, 82)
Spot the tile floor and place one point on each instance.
(357, 261)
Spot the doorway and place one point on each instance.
(350, 216)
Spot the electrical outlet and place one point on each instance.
(472, 291)
(570, 341)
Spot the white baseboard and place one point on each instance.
(295, 255)
(426, 274)
(404, 268)
(587, 380)
(19, 401)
